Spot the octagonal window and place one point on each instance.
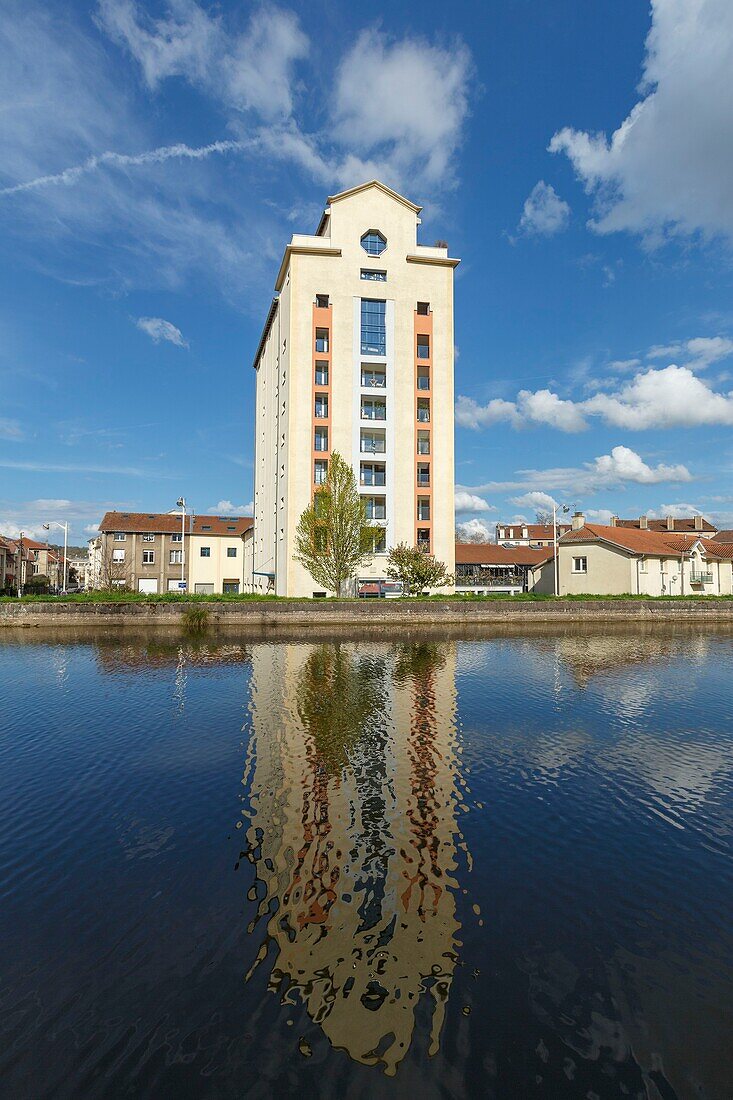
(373, 243)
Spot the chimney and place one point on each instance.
(698, 523)
(643, 523)
(670, 523)
(614, 521)
(578, 521)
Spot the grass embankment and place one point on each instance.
(246, 597)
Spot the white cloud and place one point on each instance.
(544, 407)
(622, 466)
(473, 530)
(672, 397)
(541, 502)
(600, 515)
(10, 430)
(91, 528)
(696, 354)
(469, 414)
(469, 502)
(29, 516)
(226, 508)
(250, 71)
(668, 397)
(667, 169)
(676, 511)
(158, 329)
(401, 106)
(544, 213)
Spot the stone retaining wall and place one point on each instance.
(401, 612)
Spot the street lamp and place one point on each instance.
(181, 503)
(65, 528)
(565, 508)
(20, 566)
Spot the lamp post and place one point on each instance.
(565, 508)
(65, 529)
(181, 503)
(20, 566)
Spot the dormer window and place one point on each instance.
(373, 243)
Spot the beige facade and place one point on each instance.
(611, 561)
(357, 357)
(157, 552)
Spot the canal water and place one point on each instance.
(488, 866)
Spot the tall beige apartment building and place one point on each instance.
(356, 356)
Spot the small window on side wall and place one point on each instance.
(322, 301)
(423, 308)
(373, 242)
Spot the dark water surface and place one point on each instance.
(496, 866)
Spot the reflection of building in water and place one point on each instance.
(353, 835)
(133, 657)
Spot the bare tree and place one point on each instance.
(113, 575)
(544, 518)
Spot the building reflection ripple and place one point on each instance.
(354, 791)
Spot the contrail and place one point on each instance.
(123, 160)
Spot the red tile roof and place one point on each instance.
(488, 553)
(661, 544)
(535, 531)
(685, 524)
(723, 536)
(170, 523)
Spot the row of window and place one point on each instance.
(121, 536)
(373, 330)
(371, 378)
(175, 556)
(371, 409)
(370, 473)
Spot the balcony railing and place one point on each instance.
(373, 446)
(701, 578)
(377, 412)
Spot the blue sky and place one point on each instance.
(577, 157)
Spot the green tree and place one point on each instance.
(416, 569)
(333, 537)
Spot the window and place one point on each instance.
(423, 508)
(423, 443)
(372, 473)
(580, 565)
(374, 276)
(322, 340)
(373, 242)
(231, 551)
(321, 372)
(373, 327)
(423, 411)
(642, 565)
(423, 347)
(148, 557)
(231, 587)
(320, 441)
(177, 538)
(373, 378)
(423, 308)
(375, 507)
(423, 473)
(148, 538)
(322, 301)
(320, 470)
(118, 555)
(321, 406)
(423, 380)
(175, 557)
(120, 536)
(203, 589)
(373, 442)
(378, 542)
(373, 409)
(205, 551)
(205, 526)
(423, 539)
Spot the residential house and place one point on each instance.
(158, 552)
(608, 560)
(356, 356)
(529, 534)
(46, 561)
(484, 567)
